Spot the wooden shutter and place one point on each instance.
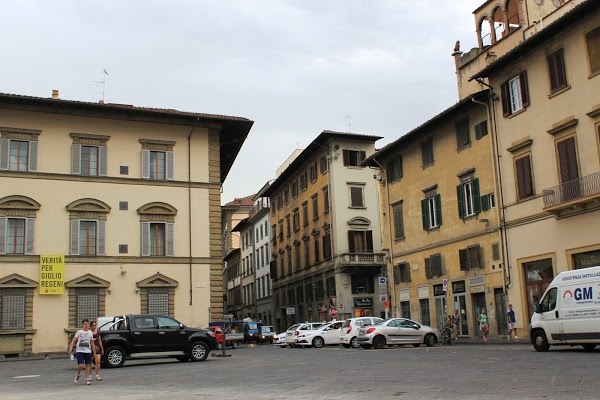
(460, 200)
(76, 159)
(391, 172)
(169, 239)
(485, 202)
(438, 209)
(351, 243)
(524, 180)
(424, 214)
(592, 40)
(102, 160)
(2, 235)
(474, 257)
(476, 196)
(495, 251)
(505, 92)
(362, 156)
(356, 196)
(397, 274)
(567, 156)
(101, 250)
(463, 257)
(4, 153)
(145, 164)
(524, 90)
(33, 150)
(436, 265)
(428, 271)
(29, 235)
(74, 237)
(399, 170)
(369, 238)
(145, 239)
(556, 70)
(169, 165)
(346, 156)
(398, 221)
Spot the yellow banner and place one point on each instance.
(52, 274)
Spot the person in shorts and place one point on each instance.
(85, 351)
(484, 324)
(512, 322)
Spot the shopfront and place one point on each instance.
(459, 297)
(423, 293)
(441, 311)
(477, 287)
(363, 307)
(538, 275)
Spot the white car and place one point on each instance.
(350, 329)
(280, 340)
(397, 331)
(294, 331)
(328, 334)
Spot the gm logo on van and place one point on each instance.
(581, 295)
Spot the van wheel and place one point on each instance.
(589, 347)
(540, 343)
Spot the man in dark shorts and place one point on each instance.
(84, 351)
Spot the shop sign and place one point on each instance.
(290, 310)
(458, 287)
(477, 280)
(403, 295)
(363, 302)
(423, 292)
(477, 289)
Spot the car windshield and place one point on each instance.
(293, 327)
(268, 329)
(252, 325)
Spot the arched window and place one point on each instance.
(485, 28)
(512, 15)
(499, 23)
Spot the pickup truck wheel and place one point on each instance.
(540, 343)
(114, 357)
(199, 351)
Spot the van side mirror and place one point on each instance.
(537, 308)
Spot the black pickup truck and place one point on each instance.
(151, 336)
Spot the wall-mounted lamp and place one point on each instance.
(377, 177)
(136, 290)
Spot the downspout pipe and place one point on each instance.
(190, 210)
(496, 150)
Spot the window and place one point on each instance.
(524, 177)
(405, 307)
(308, 289)
(274, 233)
(320, 289)
(157, 239)
(360, 241)
(87, 304)
(463, 136)
(353, 158)
(548, 303)
(592, 40)
(326, 199)
(15, 235)
(327, 245)
(394, 169)
(280, 202)
(481, 129)
(288, 226)
(495, 251)
(427, 151)
(87, 238)
(305, 214)
(157, 165)
(470, 258)
(158, 301)
(306, 253)
(280, 230)
(488, 201)
(324, 163)
(19, 154)
(331, 286)
(515, 95)
(157, 159)
(398, 221)
(299, 295)
(433, 266)
(157, 296)
(12, 304)
(289, 261)
(425, 314)
(18, 149)
(567, 160)
(297, 256)
(296, 220)
(286, 195)
(469, 202)
(431, 210)
(157, 229)
(402, 273)
(362, 284)
(17, 224)
(313, 173)
(556, 70)
(303, 183)
(317, 249)
(295, 188)
(356, 197)
(315, 207)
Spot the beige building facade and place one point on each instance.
(127, 197)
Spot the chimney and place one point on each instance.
(55, 94)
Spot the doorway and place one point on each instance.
(538, 275)
(460, 304)
(440, 311)
(500, 297)
(478, 301)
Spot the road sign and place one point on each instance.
(333, 312)
(341, 306)
(382, 280)
(290, 310)
(445, 284)
(383, 298)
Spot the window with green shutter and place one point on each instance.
(398, 221)
(463, 137)
(468, 198)
(431, 212)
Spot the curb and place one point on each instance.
(494, 342)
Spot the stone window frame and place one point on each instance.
(165, 146)
(85, 139)
(16, 281)
(17, 206)
(158, 212)
(29, 135)
(157, 280)
(91, 210)
(87, 281)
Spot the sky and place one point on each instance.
(296, 68)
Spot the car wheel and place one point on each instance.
(199, 351)
(354, 343)
(347, 346)
(235, 345)
(430, 340)
(366, 346)
(378, 342)
(589, 347)
(540, 343)
(114, 357)
(182, 358)
(318, 342)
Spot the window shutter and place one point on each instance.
(397, 274)
(169, 172)
(170, 250)
(592, 40)
(351, 244)
(2, 235)
(30, 230)
(495, 251)
(76, 159)
(460, 197)
(363, 155)
(345, 156)
(567, 155)
(478, 131)
(391, 172)
(145, 245)
(428, 272)
(101, 238)
(145, 164)
(370, 241)
(424, 214)
(525, 184)
(4, 150)
(505, 99)
(436, 264)
(400, 171)
(356, 196)
(103, 156)
(476, 196)
(398, 222)
(475, 257)
(438, 209)
(33, 146)
(463, 257)
(485, 202)
(74, 237)
(524, 92)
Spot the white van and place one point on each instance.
(569, 311)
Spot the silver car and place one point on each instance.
(397, 331)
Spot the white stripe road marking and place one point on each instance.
(25, 376)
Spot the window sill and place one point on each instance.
(594, 75)
(357, 207)
(559, 91)
(463, 147)
(433, 229)
(430, 164)
(18, 332)
(521, 111)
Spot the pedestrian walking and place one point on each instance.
(455, 322)
(84, 350)
(512, 323)
(484, 324)
(99, 349)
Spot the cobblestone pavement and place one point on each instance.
(265, 372)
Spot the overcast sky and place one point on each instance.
(296, 68)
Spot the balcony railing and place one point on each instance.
(362, 258)
(262, 203)
(581, 188)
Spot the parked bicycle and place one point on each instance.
(449, 335)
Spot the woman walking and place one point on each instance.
(99, 349)
(484, 324)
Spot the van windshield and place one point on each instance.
(549, 301)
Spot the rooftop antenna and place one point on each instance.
(349, 118)
(103, 82)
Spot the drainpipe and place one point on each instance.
(190, 210)
(496, 152)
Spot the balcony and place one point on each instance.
(360, 262)
(260, 205)
(573, 196)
